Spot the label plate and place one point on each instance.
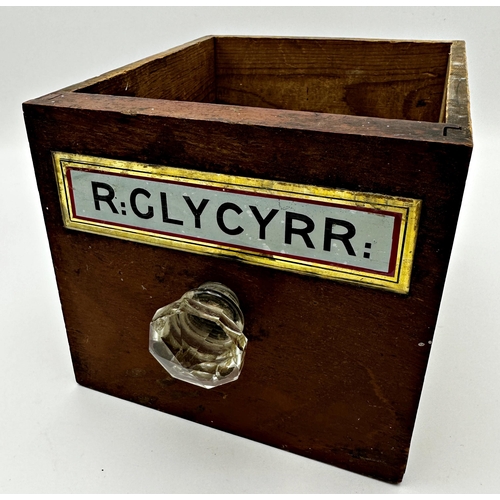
(364, 238)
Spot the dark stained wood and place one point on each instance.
(265, 117)
(333, 371)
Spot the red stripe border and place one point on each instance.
(392, 271)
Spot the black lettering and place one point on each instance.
(196, 211)
(303, 231)
(107, 198)
(344, 237)
(263, 222)
(164, 211)
(368, 246)
(220, 218)
(133, 203)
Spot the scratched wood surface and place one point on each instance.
(333, 371)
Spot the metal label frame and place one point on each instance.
(405, 211)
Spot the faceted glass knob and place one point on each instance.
(199, 338)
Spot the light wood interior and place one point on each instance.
(385, 79)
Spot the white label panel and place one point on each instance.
(332, 233)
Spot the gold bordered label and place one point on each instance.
(337, 234)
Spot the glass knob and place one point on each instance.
(199, 338)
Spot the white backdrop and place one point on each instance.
(57, 437)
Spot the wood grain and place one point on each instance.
(333, 371)
(457, 108)
(185, 75)
(385, 79)
(400, 80)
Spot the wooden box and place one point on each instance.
(337, 351)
